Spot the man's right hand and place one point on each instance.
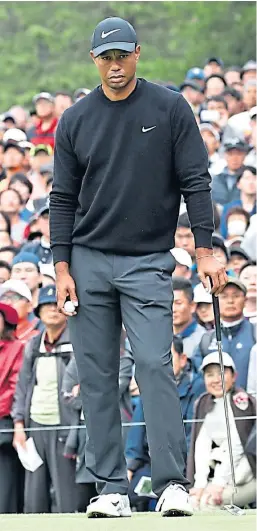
(65, 286)
(19, 435)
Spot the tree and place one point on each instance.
(44, 45)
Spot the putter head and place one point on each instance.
(233, 509)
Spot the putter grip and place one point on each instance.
(216, 310)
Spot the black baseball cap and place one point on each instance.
(236, 143)
(14, 145)
(113, 33)
(235, 249)
(192, 84)
(216, 60)
(217, 241)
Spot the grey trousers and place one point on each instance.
(57, 474)
(135, 290)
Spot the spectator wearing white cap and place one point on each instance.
(238, 335)
(249, 71)
(183, 263)
(209, 465)
(18, 295)
(204, 307)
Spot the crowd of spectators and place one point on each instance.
(39, 384)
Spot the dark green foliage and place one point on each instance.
(44, 45)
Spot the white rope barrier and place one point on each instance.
(124, 425)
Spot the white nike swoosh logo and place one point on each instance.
(146, 129)
(104, 35)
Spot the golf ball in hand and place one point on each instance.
(69, 307)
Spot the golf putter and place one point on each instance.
(232, 508)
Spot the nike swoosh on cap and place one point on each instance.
(104, 35)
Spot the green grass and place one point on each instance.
(216, 521)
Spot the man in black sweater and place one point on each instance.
(123, 157)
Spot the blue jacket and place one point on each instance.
(44, 254)
(191, 336)
(221, 194)
(223, 219)
(190, 387)
(236, 341)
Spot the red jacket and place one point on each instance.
(11, 355)
(37, 136)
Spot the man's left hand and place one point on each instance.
(209, 266)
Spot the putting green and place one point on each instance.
(215, 521)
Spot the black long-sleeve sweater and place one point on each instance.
(120, 168)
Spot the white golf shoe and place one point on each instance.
(174, 501)
(109, 506)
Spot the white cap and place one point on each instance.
(182, 257)
(25, 144)
(201, 295)
(17, 286)
(47, 270)
(209, 127)
(17, 135)
(213, 357)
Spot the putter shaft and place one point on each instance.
(216, 310)
(225, 398)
